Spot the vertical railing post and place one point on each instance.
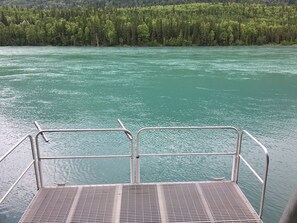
(236, 158)
(35, 162)
(264, 185)
(137, 159)
(38, 162)
(132, 162)
(131, 152)
(38, 152)
(137, 170)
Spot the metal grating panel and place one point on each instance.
(50, 205)
(184, 203)
(140, 204)
(95, 204)
(227, 204)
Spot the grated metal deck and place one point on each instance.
(183, 202)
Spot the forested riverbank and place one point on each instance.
(202, 24)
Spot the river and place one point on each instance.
(252, 88)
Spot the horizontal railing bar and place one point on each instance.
(188, 154)
(14, 147)
(15, 183)
(85, 130)
(83, 157)
(188, 127)
(249, 166)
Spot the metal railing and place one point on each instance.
(135, 177)
(236, 155)
(26, 169)
(263, 179)
(42, 133)
(138, 154)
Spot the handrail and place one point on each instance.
(251, 168)
(16, 182)
(263, 179)
(236, 160)
(127, 133)
(14, 147)
(39, 129)
(40, 158)
(130, 137)
(82, 157)
(187, 154)
(137, 180)
(26, 169)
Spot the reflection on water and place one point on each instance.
(252, 88)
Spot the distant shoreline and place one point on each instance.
(197, 24)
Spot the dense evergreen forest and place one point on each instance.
(204, 24)
(119, 3)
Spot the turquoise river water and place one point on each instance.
(252, 88)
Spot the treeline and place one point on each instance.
(203, 24)
(48, 4)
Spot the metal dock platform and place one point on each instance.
(183, 202)
(206, 201)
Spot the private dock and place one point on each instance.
(201, 201)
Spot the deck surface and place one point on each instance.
(186, 202)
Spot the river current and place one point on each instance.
(252, 88)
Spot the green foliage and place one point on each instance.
(205, 24)
(143, 33)
(119, 3)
